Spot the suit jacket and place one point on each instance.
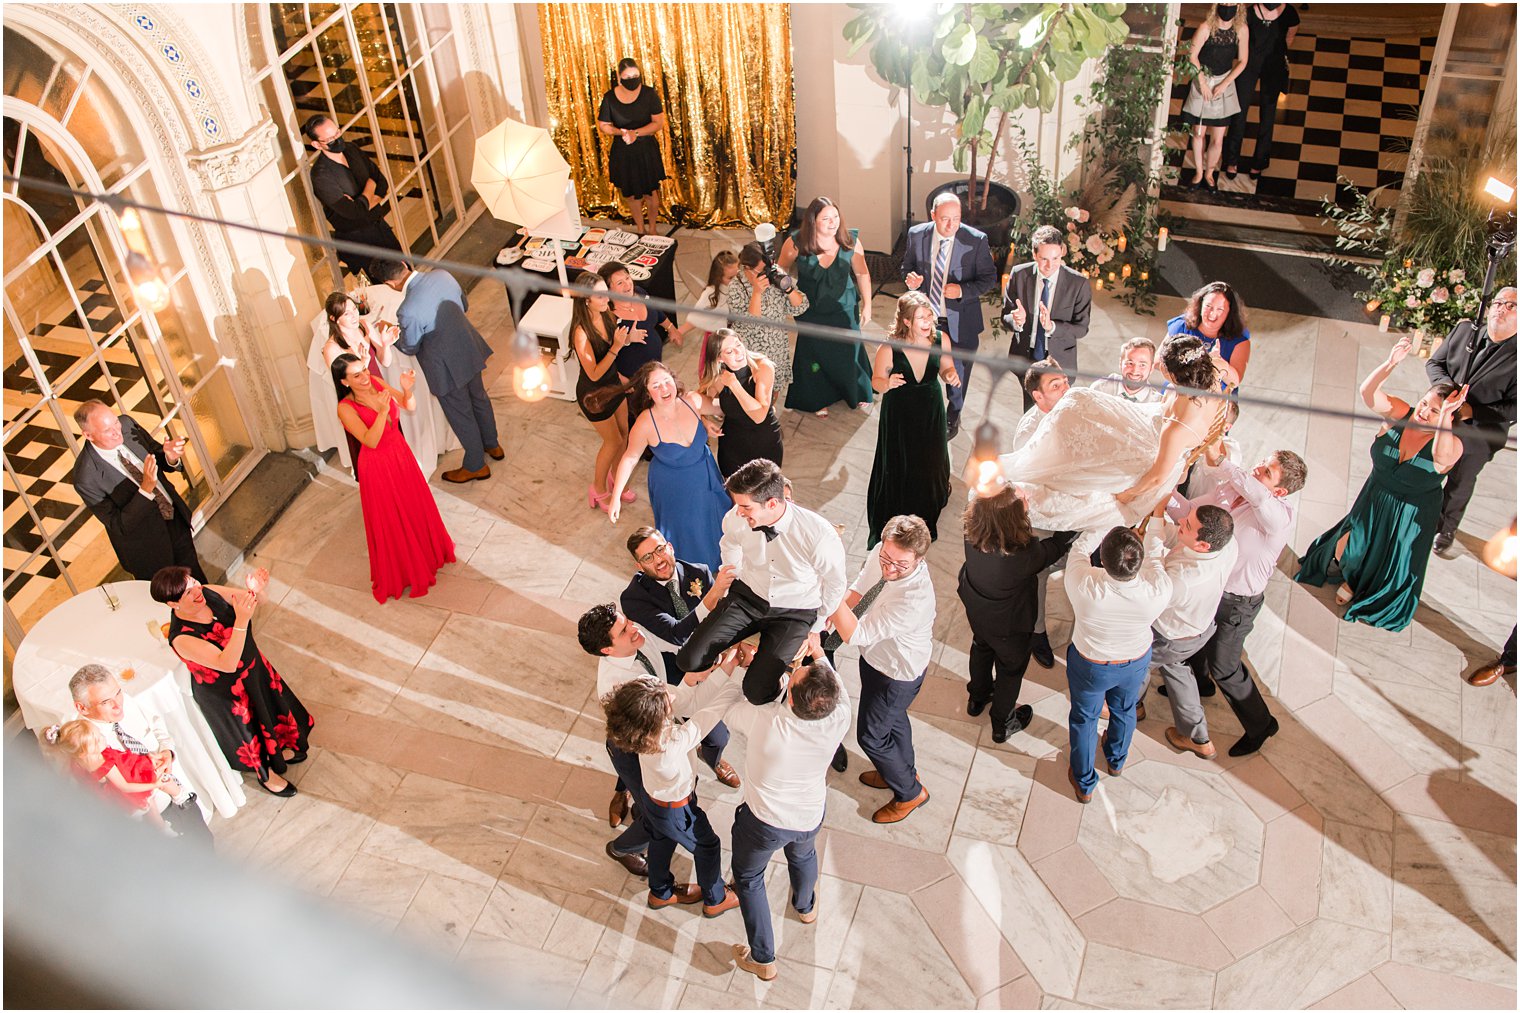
(971, 267)
(435, 330)
(137, 533)
(1492, 387)
(647, 603)
(1001, 592)
(1070, 314)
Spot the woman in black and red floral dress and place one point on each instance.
(256, 719)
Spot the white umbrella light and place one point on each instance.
(520, 173)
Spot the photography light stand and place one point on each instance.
(1501, 243)
(908, 151)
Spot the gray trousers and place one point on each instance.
(1170, 657)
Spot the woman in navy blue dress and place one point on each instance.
(1215, 315)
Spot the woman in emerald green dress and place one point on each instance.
(1380, 549)
(831, 271)
(911, 473)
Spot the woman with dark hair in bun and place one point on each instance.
(631, 114)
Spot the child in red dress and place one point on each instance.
(129, 777)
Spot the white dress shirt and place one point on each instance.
(786, 759)
(895, 636)
(1114, 617)
(1113, 384)
(802, 568)
(1263, 522)
(1034, 311)
(939, 242)
(1197, 584)
(149, 729)
(668, 774)
(113, 458)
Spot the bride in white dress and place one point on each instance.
(1098, 461)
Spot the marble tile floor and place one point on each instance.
(457, 786)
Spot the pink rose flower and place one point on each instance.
(1094, 245)
(1426, 278)
(1440, 295)
(1412, 301)
(1456, 274)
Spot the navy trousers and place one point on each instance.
(688, 827)
(883, 731)
(469, 414)
(755, 841)
(635, 839)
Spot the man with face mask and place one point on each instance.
(350, 190)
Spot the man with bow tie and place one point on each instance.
(667, 598)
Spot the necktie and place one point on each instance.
(165, 508)
(676, 601)
(833, 641)
(769, 532)
(1039, 325)
(648, 666)
(128, 742)
(937, 278)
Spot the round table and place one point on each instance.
(86, 629)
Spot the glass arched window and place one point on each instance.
(74, 332)
(389, 75)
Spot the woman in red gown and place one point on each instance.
(406, 536)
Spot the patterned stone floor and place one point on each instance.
(1365, 858)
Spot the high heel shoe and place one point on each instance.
(593, 499)
(285, 792)
(628, 494)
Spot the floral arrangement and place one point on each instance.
(1414, 297)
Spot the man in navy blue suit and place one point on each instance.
(952, 264)
(452, 354)
(667, 598)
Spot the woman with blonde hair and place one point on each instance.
(720, 274)
(1221, 46)
(911, 473)
(740, 382)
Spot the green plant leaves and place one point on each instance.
(960, 46)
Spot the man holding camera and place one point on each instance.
(955, 263)
(753, 294)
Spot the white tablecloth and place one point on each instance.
(84, 629)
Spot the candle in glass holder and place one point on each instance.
(1098, 284)
(1124, 273)
(1145, 276)
(1383, 323)
(1123, 242)
(1161, 239)
(1110, 276)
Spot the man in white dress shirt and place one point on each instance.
(788, 576)
(889, 615)
(1114, 601)
(789, 743)
(1201, 557)
(123, 723)
(1137, 357)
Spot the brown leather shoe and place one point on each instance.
(765, 972)
(633, 863)
(809, 917)
(1140, 711)
(871, 779)
(1490, 673)
(1072, 777)
(619, 808)
(496, 452)
(466, 475)
(688, 894)
(1112, 770)
(728, 903)
(1183, 744)
(896, 812)
(726, 773)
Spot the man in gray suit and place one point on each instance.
(123, 477)
(956, 263)
(452, 353)
(1047, 304)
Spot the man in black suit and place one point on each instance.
(667, 598)
(1483, 359)
(351, 191)
(1047, 305)
(118, 477)
(956, 262)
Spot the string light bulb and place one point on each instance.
(984, 472)
(530, 378)
(147, 283)
(1501, 551)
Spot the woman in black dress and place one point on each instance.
(597, 340)
(742, 383)
(1219, 51)
(1272, 28)
(631, 114)
(911, 473)
(254, 716)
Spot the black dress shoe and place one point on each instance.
(634, 863)
(1022, 715)
(841, 761)
(952, 430)
(285, 792)
(1249, 744)
(975, 707)
(1039, 650)
(1443, 544)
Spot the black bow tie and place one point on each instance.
(770, 533)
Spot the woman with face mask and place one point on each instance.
(631, 114)
(1220, 47)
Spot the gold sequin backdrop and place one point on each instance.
(723, 73)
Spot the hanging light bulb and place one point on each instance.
(1501, 551)
(148, 284)
(984, 473)
(530, 377)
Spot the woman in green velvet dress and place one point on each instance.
(911, 473)
(831, 271)
(1380, 549)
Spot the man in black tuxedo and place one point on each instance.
(351, 191)
(1047, 305)
(1483, 359)
(956, 263)
(667, 598)
(118, 477)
